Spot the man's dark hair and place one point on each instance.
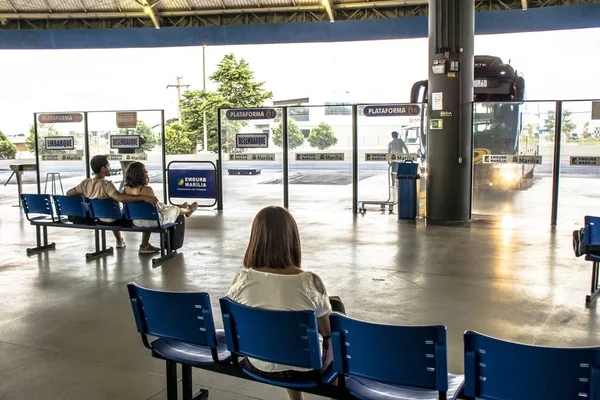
(274, 240)
(395, 135)
(135, 175)
(98, 162)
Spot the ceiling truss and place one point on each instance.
(254, 15)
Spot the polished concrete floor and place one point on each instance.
(67, 331)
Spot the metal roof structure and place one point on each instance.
(101, 14)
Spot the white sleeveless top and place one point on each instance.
(279, 292)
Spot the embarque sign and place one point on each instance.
(59, 118)
(60, 142)
(251, 113)
(387, 110)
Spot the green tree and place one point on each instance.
(236, 89)
(586, 129)
(237, 85)
(295, 136)
(7, 148)
(549, 122)
(322, 136)
(568, 126)
(177, 141)
(148, 139)
(44, 130)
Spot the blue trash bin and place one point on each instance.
(407, 178)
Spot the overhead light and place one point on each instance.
(147, 9)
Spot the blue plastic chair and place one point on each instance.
(592, 232)
(37, 204)
(591, 237)
(185, 329)
(282, 337)
(104, 208)
(73, 206)
(143, 210)
(392, 362)
(500, 370)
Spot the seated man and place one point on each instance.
(100, 188)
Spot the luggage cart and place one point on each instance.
(392, 199)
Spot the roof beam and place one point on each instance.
(149, 9)
(141, 14)
(327, 5)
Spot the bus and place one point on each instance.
(499, 92)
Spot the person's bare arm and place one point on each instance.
(130, 198)
(73, 192)
(148, 191)
(322, 322)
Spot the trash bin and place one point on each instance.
(407, 177)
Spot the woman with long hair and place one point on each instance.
(136, 183)
(272, 278)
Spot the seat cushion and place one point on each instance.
(190, 354)
(368, 389)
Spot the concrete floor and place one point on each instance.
(67, 331)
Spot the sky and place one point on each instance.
(556, 65)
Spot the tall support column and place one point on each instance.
(449, 142)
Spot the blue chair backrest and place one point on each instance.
(37, 204)
(70, 206)
(104, 208)
(403, 355)
(141, 210)
(283, 337)
(185, 316)
(500, 370)
(592, 230)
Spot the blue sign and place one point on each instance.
(125, 141)
(192, 183)
(252, 140)
(60, 142)
(251, 113)
(387, 110)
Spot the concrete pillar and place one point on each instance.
(450, 96)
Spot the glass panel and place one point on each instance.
(320, 175)
(579, 189)
(139, 141)
(61, 146)
(252, 167)
(376, 139)
(509, 186)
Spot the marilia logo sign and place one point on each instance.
(196, 182)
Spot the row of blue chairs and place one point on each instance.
(371, 361)
(44, 211)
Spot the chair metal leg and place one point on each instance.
(99, 251)
(171, 380)
(40, 232)
(595, 290)
(186, 372)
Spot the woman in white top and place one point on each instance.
(272, 279)
(136, 183)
